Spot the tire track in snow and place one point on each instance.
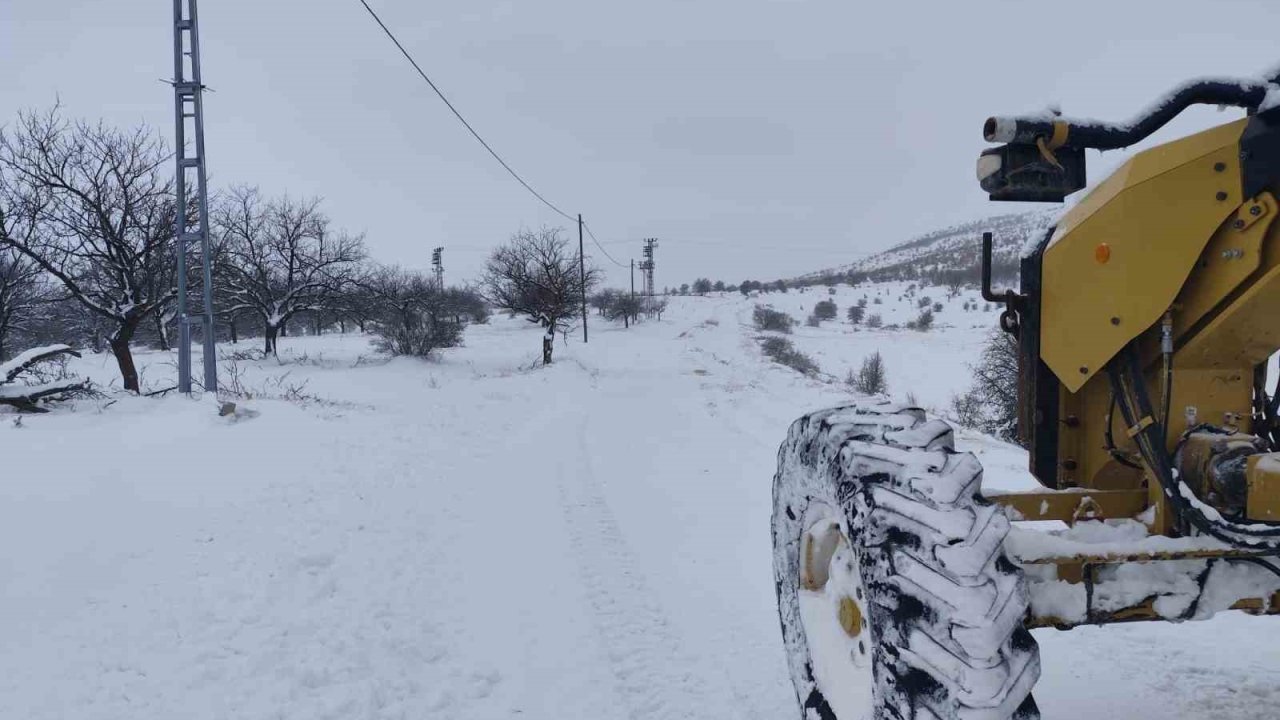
(657, 678)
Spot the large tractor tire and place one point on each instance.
(896, 598)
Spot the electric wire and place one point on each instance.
(461, 119)
(599, 245)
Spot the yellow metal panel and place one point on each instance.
(1263, 473)
(1234, 253)
(1239, 336)
(1157, 213)
(1070, 507)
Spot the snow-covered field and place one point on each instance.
(476, 537)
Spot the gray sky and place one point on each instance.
(755, 139)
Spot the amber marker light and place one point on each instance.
(1102, 253)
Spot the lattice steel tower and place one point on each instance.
(190, 186)
(437, 266)
(646, 265)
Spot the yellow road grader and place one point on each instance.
(1145, 321)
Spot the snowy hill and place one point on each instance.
(956, 248)
(477, 537)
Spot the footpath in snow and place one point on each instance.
(479, 538)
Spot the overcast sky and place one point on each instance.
(754, 139)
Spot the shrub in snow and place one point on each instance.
(418, 335)
(937, 307)
(856, 312)
(878, 301)
(924, 322)
(412, 316)
(825, 310)
(924, 302)
(23, 383)
(766, 318)
(875, 321)
(871, 378)
(781, 351)
(812, 321)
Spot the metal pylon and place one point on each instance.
(190, 184)
(647, 266)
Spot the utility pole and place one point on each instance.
(646, 266)
(437, 265)
(633, 277)
(188, 105)
(582, 276)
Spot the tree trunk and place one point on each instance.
(548, 344)
(162, 332)
(235, 331)
(269, 332)
(342, 326)
(316, 322)
(124, 358)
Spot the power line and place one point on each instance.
(597, 242)
(463, 120)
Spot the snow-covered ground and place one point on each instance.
(476, 537)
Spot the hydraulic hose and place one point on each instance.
(1079, 133)
(1125, 373)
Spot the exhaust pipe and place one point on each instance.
(1247, 94)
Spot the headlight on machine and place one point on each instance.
(988, 165)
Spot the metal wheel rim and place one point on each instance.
(833, 606)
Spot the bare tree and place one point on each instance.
(536, 274)
(23, 291)
(23, 298)
(625, 307)
(657, 307)
(102, 213)
(603, 299)
(279, 258)
(991, 403)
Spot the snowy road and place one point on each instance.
(470, 539)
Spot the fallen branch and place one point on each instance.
(25, 397)
(11, 369)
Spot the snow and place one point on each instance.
(1272, 99)
(477, 537)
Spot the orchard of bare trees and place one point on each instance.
(88, 255)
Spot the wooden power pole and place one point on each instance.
(582, 274)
